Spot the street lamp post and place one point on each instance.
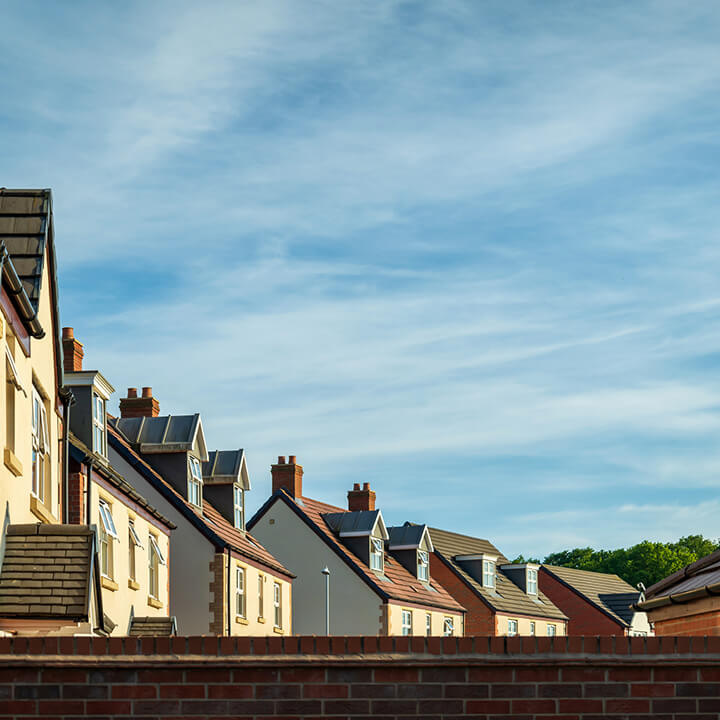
(326, 573)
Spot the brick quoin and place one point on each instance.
(586, 678)
(585, 619)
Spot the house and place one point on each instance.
(379, 579)
(222, 580)
(686, 602)
(500, 598)
(596, 603)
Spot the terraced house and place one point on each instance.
(222, 580)
(380, 580)
(501, 598)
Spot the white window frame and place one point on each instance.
(98, 421)
(240, 600)
(40, 445)
(377, 552)
(532, 581)
(423, 565)
(277, 605)
(488, 576)
(155, 560)
(551, 630)
(195, 482)
(428, 624)
(448, 626)
(133, 542)
(261, 596)
(239, 508)
(512, 630)
(407, 619)
(532, 628)
(107, 533)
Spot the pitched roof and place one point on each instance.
(609, 593)
(208, 520)
(46, 572)
(407, 535)
(506, 597)
(226, 466)
(164, 433)
(152, 626)
(359, 522)
(402, 585)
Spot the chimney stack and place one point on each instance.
(73, 352)
(361, 499)
(287, 475)
(133, 406)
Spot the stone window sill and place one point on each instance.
(108, 584)
(154, 602)
(241, 620)
(12, 462)
(133, 585)
(261, 620)
(41, 511)
(278, 630)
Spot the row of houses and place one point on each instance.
(130, 524)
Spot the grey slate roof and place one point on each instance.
(360, 521)
(175, 432)
(507, 597)
(407, 535)
(24, 221)
(46, 571)
(153, 626)
(608, 592)
(224, 466)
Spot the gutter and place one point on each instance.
(89, 461)
(679, 598)
(68, 399)
(27, 312)
(229, 596)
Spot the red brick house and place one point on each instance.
(596, 603)
(686, 602)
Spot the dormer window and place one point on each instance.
(488, 574)
(239, 507)
(423, 567)
(532, 581)
(195, 483)
(376, 554)
(99, 437)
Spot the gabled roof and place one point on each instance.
(208, 521)
(506, 597)
(357, 523)
(226, 466)
(47, 572)
(152, 626)
(608, 593)
(698, 579)
(402, 586)
(407, 536)
(166, 433)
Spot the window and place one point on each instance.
(261, 596)
(512, 627)
(448, 626)
(406, 622)
(155, 559)
(423, 572)
(532, 587)
(551, 630)
(488, 573)
(99, 439)
(240, 592)
(428, 624)
(532, 628)
(12, 385)
(133, 542)
(239, 506)
(108, 533)
(277, 603)
(195, 483)
(376, 554)
(40, 447)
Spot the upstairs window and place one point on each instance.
(12, 385)
(99, 437)
(428, 624)
(40, 448)
(195, 483)
(240, 592)
(512, 628)
(261, 597)
(107, 533)
(133, 542)
(277, 604)
(406, 622)
(551, 630)
(155, 560)
(448, 626)
(239, 507)
(423, 571)
(532, 581)
(376, 554)
(488, 573)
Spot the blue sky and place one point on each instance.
(465, 251)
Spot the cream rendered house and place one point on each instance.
(222, 580)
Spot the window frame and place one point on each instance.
(40, 447)
(532, 628)
(195, 481)
(99, 424)
(107, 532)
(239, 509)
(155, 560)
(551, 627)
(513, 626)
(133, 543)
(531, 580)
(240, 597)
(428, 624)
(261, 596)
(489, 570)
(377, 554)
(277, 605)
(448, 626)
(423, 562)
(406, 622)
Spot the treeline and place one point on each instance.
(647, 562)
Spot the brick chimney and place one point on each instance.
(133, 406)
(361, 499)
(287, 475)
(73, 352)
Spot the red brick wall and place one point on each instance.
(479, 619)
(76, 498)
(380, 677)
(701, 624)
(585, 619)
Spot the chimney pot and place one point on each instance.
(292, 459)
(356, 486)
(68, 333)
(133, 406)
(281, 459)
(361, 499)
(147, 392)
(132, 392)
(287, 476)
(73, 352)
(366, 486)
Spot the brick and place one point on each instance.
(276, 692)
(251, 675)
(626, 705)
(203, 707)
(301, 707)
(303, 675)
(630, 674)
(395, 707)
(485, 675)
(673, 705)
(583, 675)
(112, 675)
(230, 691)
(250, 707)
(513, 691)
(396, 674)
(444, 675)
(109, 707)
(133, 691)
(374, 690)
(537, 675)
(576, 705)
(697, 690)
(566, 690)
(61, 707)
(533, 707)
(33, 692)
(18, 707)
(325, 691)
(346, 707)
(182, 691)
(96, 692)
(472, 690)
(488, 706)
(652, 690)
(156, 707)
(349, 675)
(64, 675)
(675, 674)
(606, 690)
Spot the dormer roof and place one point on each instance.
(357, 524)
(226, 466)
(409, 537)
(166, 434)
(90, 378)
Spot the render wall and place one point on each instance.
(419, 620)
(354, 608)
(485, 678)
